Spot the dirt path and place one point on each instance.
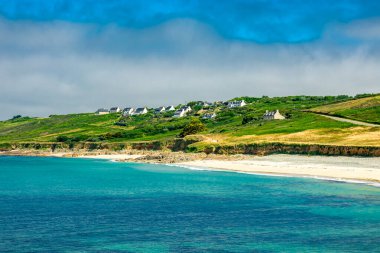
(356, 122)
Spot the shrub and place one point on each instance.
(16, 117)
(288, 115)
(62, 138)
(248, 118)
(120, 123)
(195, 126)
(364, 95)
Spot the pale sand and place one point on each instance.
(115, 157)
(337, 168)
(324, 167)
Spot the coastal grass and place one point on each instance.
(352, 137)
(299, 122)
(231, 126)
(362, 109)
(46, 129)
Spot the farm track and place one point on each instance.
(355, 122)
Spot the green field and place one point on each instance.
(229, 123)
(363, 109)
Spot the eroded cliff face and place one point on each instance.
(187, 145)
(281, 148)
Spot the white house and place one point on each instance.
(102, 111)
(238, 103)
(160, 109)
(140, 111)
(128, 111)
(209, 115)
(271, 115)
(206, 104)
(170, 108)
(186, 108)
(216, 103)
(115, 109)
(179, 113)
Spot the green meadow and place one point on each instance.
(230, 123)
(362, 109)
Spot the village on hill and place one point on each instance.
(206, 110)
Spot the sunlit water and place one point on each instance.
(82, 205)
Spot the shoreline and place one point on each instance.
(336, 168)
(353, 170)
(375, 183)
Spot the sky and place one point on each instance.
(70, 56)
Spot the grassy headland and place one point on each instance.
(232, 126)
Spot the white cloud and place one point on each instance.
(65, 68)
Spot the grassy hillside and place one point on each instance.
(363, 109)
(232, 126)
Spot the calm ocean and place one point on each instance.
(83, 205)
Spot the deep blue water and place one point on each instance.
(81, 205)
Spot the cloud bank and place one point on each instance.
(61, 67)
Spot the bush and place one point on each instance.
(62, 138)
(364, 95)
(120, 123)
(16, 117)
(248, 118)
(195, 126)
(288, 115)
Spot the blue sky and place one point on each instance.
(77, 55)
(263, 21)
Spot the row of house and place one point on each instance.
(128, 111)
(184, 110)
(163, 109)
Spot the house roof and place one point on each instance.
(102, 110)
(236, 102)
(209, 115)
(270, 113)
(140, 109)
(179, 111)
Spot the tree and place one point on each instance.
(16, 117)
(195, 126)
(248, 118)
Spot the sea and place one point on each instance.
(92, 205)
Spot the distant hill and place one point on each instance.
(363, 109)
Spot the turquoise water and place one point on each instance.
(81, 205)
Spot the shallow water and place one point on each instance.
(83, 205)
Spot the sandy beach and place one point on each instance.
(353, 169)
(337, 168)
